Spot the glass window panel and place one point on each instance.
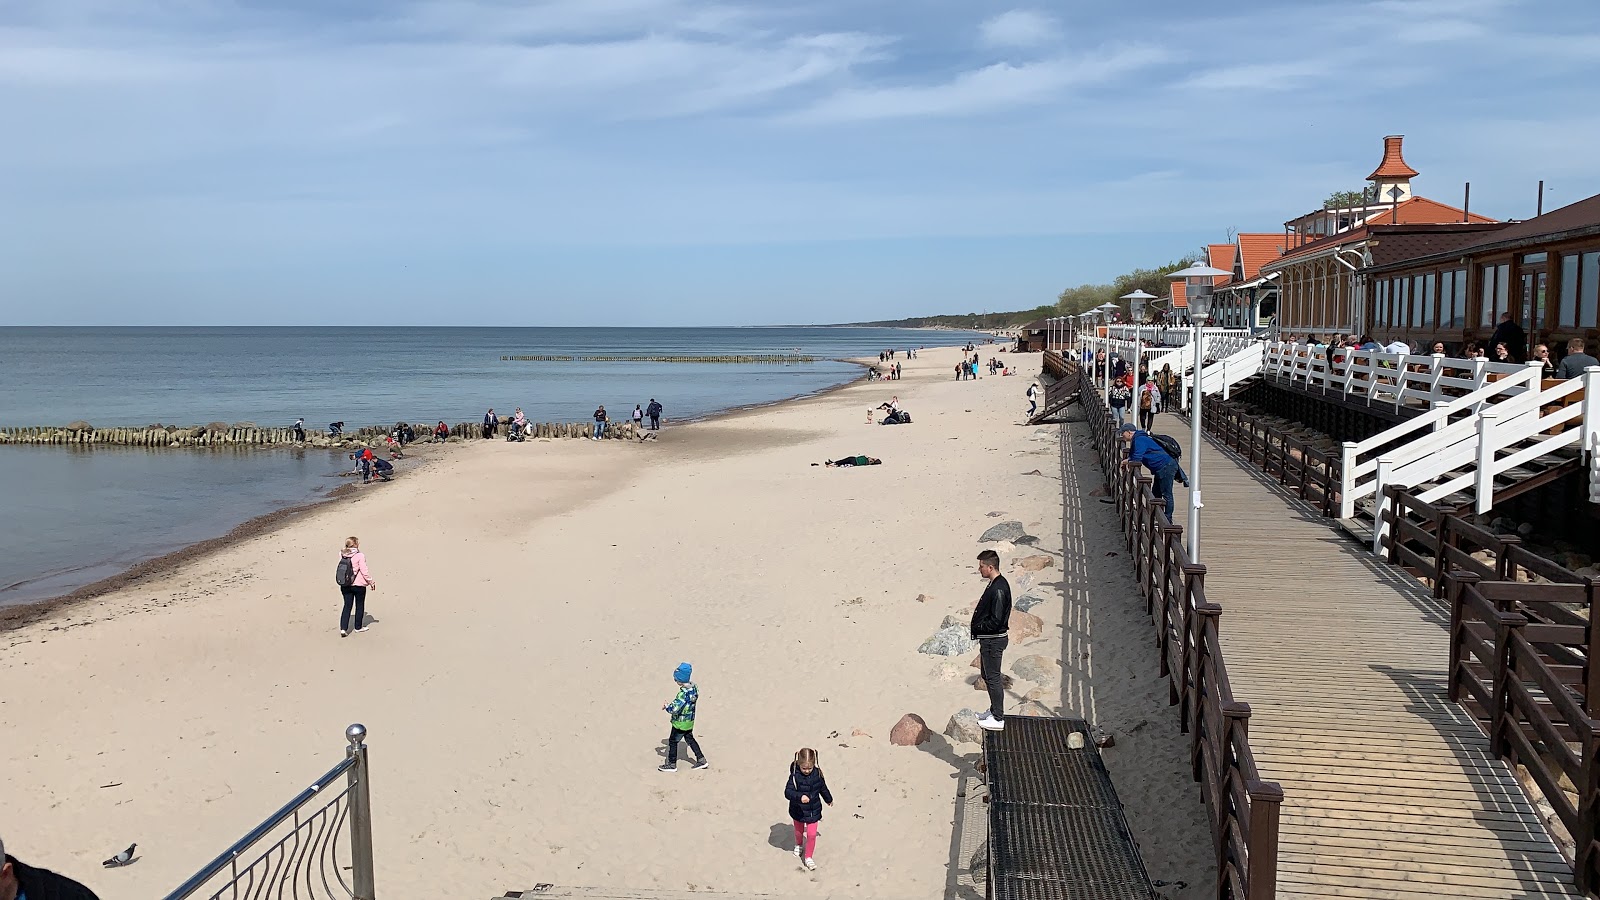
(1502, 289)
(1486, 301)
(1588, 289)
(1533, 259)
(1460, 319)
(1416, 301)
(1427, 299)
(1568, 310)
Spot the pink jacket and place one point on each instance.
(358, 561)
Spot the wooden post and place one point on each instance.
(1504, 568)
(1506, 624)
(1261, 876)
(1440, 526)
(1459, 582)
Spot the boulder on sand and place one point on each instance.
(910, 731)
(963, 728)
(1034, 563)
(1037, 669)
(1029, 601)
(951, 641)
(1025, 625)
(978, 684)
(1005, 531)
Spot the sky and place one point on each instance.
(675, 162)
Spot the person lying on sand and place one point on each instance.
(851, 462)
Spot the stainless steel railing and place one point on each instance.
(303, 840)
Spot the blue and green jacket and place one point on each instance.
(681, 709)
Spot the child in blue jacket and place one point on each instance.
(681, 709)
(807, 790)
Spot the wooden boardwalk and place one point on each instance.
(1390, 789)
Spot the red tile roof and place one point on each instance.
(1221, 256)
(1256, 250)
(1422, 211)
(1393, 165)
(1179, 296)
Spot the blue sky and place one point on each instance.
(599, 162)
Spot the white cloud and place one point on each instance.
(1020, 28)
(1258, 76)
(978, 91)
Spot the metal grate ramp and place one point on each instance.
(1056, 828)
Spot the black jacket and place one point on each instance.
(43, 884)
(654, 409)
(1516, 340)
(813, 786)
(992, 616)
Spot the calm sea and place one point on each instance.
(76, 516)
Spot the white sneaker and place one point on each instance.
(811, 864)
(992, 724)
(985, 715)
(798, 850)
(362, 628)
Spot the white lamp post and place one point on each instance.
(1197, 282)
(1136, 301)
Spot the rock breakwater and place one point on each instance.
(218, 434)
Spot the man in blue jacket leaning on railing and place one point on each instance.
(1142, 448)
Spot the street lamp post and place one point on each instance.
(1197, 280)
(1136, 301)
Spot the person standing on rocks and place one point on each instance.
(991, 620)
(638, 417)
(300, 431)
(490, 423)
(682, 710)
(600, 420)
(654, 412)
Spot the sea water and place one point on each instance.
(76, 515)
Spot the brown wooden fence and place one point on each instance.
(1305, 470)
(1243, 809)
(1520, 662)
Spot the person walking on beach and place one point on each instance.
(654, 412)
(991, 620)
(300, 431)
(806, 791)
(19, 881)
(354, 579)
(600, 422)
(1033, 399)
(490, 423)
(638, 417)
(682, 709)
(959, 369)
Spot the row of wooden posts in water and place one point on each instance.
(756, 358)
(218, 434)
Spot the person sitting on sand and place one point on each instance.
(851, 461)
(441, 432)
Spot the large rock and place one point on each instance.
(953, 621)
(1028, 601)
(963, 728)
(952, 641)
(909, 731)
(945, 670)
(1005, 531)
(1025, 625)
(1037, 669)
(1034, 563)
(79, 425)
(979, 684)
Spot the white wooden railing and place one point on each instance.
(1219, 377)
(1170, 336)
(1376, 377)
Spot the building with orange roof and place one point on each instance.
(1248, 299)
(1319, 274)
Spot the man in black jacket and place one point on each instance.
(19, 880)
(990, 621)
(1508, 332)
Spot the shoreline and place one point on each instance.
(20, 615)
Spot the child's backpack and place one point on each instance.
(1168, 443)
(345, 574)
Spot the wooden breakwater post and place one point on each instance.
(248, 434)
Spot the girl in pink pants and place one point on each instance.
(806, 790)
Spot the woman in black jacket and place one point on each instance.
(807, 791)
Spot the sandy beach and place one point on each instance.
(533, 600)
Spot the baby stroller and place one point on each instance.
(517, 431)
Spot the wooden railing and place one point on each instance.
(1308, 472)
(1243, 808)
(1520, 663)
(1430, 541)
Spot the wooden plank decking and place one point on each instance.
(1390, 789)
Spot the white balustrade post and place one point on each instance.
(1347, 480)
(1480, 377)
(1590, 425)
(1436, 373)
(1380, 529)
(1485, 474)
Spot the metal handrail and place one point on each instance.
(354, 769)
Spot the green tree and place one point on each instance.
(1345, 200)
(1084, 297)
